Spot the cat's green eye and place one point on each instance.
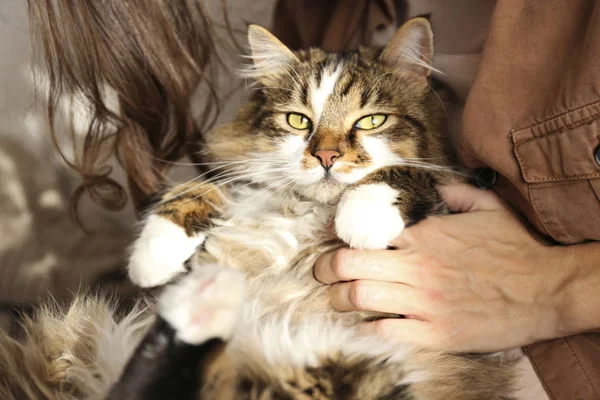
(298, 121)
(371, 121)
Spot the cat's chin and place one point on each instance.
(325, 191)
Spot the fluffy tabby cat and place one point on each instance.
(332, 149)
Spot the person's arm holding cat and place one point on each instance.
(474, 281)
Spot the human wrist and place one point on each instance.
(576, 294)
(548, 293)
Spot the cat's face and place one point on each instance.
(321, 121)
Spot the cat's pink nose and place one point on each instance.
(327, 157)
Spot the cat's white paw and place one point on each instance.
(160, 252)
(367, 218)
(205, 304)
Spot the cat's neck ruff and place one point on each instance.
(251, 200)
(268, 227)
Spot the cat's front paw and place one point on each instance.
(160, 252)
(367, 216)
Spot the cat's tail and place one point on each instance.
(77, 352)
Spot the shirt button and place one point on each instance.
(597, 155)
(485, 178)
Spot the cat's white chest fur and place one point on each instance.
(266, 231)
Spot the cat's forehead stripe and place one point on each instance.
(324, 89)
(304, 93)
(347, 85)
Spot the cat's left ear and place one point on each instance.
(269, 55)
(411, 48)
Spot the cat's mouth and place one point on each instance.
(327, 189)
(329, 177)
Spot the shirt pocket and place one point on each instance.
(560, 161)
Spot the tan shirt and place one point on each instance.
(532, 114)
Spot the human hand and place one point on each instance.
(476, 281)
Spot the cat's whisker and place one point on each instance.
(236, 168)
(257, 179)
(430, 87)
(475, 59)
(296, 83)
(372, 87)
(164, 175)
(222, 175)
(299, 78)
(428, 166)
(440, 99)
(254, 183)
(290, 191)
(240, 175)
(237, 165)
(425, 158)
(228, 181)
(416, 57)
(272, 87)
(262, 180)
(214, 188)
(258, 158)
(198, 177)
(424, 166)
(243, 172)
(287, 181)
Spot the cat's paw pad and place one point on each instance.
(367, 217)
(160, 252)
(205, 304)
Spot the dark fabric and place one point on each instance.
(340, 25)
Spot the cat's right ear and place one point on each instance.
(269, 55)
(411, 48)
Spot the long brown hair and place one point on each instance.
(153, 54)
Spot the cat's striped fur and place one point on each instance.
(243, 316)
